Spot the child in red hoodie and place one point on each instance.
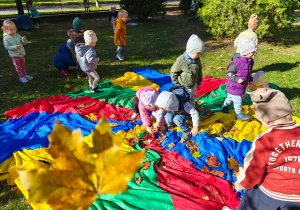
(271, 171)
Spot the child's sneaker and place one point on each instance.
(118, 57)
(185, 136)
(242, 116)
(23, 79)
(65, 73)
(95, 90)
(225, 109)
(29, 77)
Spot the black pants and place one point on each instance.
(36, 20)
(135, 105)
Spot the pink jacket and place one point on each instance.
(142, 108)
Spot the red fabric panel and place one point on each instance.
(188, 186)
(209, 84)
(65, 104)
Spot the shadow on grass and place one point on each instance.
(279, 67)
(290, 93)
(289, 37)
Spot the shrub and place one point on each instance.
(185, 6)
(143, 9)
(231, 17)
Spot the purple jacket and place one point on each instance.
(243, 71)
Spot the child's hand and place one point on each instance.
(116, 42)
(98, 59)
(194, 131)
(24, 38)
(18, 46)
(237, 186)
(156, 125)
(149, 130)
(240, 80)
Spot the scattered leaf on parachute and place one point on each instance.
(138, 180)
(158, 142)
(212, 161)
(171, 145)
(194, 148)
(213, 172)
(133, 121)
(219, 138)
(190, 143)
(200, 102)
(112, 116)
(196, 154)
(81, 172)
(207, 112)
(200, 109)
(214, 95)
(206, 198)
(146, 165)
(230, 135)
(112, 125)
(234, 165)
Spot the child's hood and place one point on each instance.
(74, 34)
(81, 49)
(63, 49)
(167, 101)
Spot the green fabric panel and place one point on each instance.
(216, 98)
(147, 195)
(114, 94)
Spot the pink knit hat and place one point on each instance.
(149, 98)
(270, 104)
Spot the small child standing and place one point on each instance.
(113, 16)
(144, 102)
(253, 24)
(35, 14)
(238, 75)
(87, 59)
(120, 33)
(13, 42)
(76, 36)
(175, 103)
(272, 165)
(187, 69)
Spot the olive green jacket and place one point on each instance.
(186, 73)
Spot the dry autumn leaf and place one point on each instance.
(146, 165)
(196, 154)
(138, 180)
(67, 86)
(171, 145)
(212, 161)
(219, 138)
(234, 165)
(81, 171)
(206, 198)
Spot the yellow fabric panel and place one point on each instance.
(133, 81)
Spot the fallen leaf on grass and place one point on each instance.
(67, 86)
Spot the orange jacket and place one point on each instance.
(120, 32)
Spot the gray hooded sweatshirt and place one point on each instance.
(10, 43)
(169, 102)
(86, 57)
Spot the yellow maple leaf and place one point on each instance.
(81, 172)
(196, 154)
(67, 86)
(206, 198)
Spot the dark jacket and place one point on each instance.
(63, 58)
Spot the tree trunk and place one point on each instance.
(97, 3)
(19, 7)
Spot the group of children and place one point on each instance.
(271, 168)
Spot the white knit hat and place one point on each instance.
(167, 101)
(90, 36)
(194, 44)
(246, 45)
(259, 78)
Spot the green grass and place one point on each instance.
(155, 44)
(12, 3)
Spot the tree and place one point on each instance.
(19, 7)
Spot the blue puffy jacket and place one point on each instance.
(63, 59)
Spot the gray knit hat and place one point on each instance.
(89, 36)
(194, 44)
(246, 45)
(270, 104)
(167, 101)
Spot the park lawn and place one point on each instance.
(156, 44)
(12, 3)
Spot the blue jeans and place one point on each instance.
(237, 103)
(255, 199)
(121, 51)
(178, 119)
